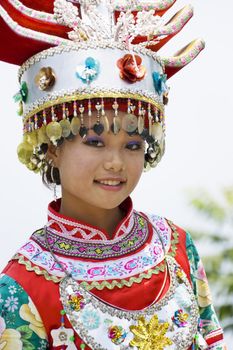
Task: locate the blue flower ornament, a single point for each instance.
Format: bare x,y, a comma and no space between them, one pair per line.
160,82
88,72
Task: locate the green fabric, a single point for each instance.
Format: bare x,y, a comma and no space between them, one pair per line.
208,318
19,325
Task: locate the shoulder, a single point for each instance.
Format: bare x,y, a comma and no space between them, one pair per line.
20,324
168,229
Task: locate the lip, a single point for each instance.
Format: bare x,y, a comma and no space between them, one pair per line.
114,188
119,179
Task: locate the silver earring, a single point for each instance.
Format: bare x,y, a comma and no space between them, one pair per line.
54,182
55,192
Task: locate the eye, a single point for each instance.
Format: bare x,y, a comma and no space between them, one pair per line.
134,145
94,142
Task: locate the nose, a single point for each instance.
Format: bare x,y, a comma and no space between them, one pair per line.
114,161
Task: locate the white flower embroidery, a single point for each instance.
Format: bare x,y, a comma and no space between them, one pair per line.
1,300
12,289
11,304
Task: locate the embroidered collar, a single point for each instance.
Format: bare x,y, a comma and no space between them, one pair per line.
69,227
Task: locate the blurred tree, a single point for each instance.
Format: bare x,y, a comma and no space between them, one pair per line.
218,239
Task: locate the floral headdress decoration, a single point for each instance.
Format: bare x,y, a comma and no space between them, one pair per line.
82,56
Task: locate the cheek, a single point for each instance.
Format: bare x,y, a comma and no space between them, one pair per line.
75,166
136,166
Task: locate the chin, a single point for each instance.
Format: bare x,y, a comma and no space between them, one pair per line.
111,204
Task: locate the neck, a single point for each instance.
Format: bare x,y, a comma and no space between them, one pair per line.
105,219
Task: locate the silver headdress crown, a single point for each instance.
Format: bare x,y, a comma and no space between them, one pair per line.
102,54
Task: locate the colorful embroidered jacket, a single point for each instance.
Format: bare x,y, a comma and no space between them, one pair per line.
144,289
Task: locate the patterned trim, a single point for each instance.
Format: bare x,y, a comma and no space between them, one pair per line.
124,283
105,44
92,285
58,98
186,55
174,26
36,269
123,267
69,246
214,333
149,5
28,33
100,285
86,231
43,16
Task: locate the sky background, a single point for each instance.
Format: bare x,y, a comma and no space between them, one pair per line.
199,141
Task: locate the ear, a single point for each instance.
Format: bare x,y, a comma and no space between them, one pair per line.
53,155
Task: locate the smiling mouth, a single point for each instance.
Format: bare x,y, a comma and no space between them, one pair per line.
110,182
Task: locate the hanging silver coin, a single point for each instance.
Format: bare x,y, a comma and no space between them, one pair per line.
75,125
157,131
129,122
116,125
104,120
140,124
66,128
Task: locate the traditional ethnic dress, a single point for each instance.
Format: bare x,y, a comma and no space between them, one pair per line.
143,289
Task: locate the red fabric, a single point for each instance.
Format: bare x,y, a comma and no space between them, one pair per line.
54,207
45,294
14,48
39,5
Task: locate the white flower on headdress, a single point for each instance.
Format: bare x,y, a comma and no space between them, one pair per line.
125,27
147,23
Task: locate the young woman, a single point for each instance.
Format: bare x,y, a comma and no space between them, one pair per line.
99,274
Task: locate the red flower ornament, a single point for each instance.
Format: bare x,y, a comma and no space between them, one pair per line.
131,68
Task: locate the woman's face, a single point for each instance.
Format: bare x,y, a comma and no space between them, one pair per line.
100,171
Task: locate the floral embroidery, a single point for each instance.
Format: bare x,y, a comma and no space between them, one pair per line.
12,290
29,313
90,319
9,338
68,246
97,274
11,304
1,300
210,324
18,332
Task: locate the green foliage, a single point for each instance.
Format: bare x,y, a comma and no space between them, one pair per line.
218,214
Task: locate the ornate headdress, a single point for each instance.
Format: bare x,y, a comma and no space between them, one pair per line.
86,56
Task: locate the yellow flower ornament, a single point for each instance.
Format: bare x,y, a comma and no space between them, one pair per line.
29,313
150,335
9,338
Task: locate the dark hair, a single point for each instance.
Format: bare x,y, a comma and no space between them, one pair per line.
50,176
